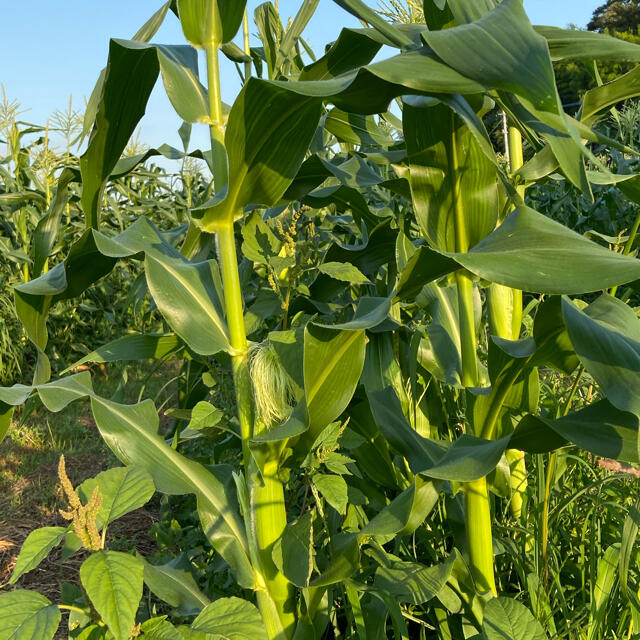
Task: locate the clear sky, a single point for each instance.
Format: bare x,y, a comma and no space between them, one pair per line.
51,50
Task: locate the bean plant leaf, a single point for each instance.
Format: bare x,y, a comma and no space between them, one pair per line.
333,489
293,553
231,618
345,272
507,618
113,582
27,615
35,549
123,489
160,629
204,415
412,582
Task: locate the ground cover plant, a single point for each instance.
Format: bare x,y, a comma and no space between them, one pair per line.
399,329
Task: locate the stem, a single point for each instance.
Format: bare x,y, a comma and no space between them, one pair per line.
70,607
267,515
247,44
547,488
467,330
629,245
479,538
216,127
237,335
269,522
516,155
193,242
465,285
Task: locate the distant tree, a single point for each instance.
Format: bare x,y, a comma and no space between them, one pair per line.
616,15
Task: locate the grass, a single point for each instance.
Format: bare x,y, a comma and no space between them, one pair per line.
29,493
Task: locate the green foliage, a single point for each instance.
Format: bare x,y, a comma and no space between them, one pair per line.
616,15
360,470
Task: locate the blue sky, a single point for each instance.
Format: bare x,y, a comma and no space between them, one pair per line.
52,50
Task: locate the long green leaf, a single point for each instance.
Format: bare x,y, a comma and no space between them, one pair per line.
130,77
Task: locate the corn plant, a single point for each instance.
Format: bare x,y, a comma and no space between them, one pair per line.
393,387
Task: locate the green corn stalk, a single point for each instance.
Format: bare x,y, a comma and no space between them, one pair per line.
202,27
505,319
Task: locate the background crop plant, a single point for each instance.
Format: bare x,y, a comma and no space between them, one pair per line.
395,373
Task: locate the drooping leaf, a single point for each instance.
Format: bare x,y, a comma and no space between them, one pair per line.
482,50
359,9
599,428
369,313
179,69
453,184
575,43
606,338
406,512
174,584
531,252
600,98
187,297
210,21
343,562
135,346
130,76
131,432
412,582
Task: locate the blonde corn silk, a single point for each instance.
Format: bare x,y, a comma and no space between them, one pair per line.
273,388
